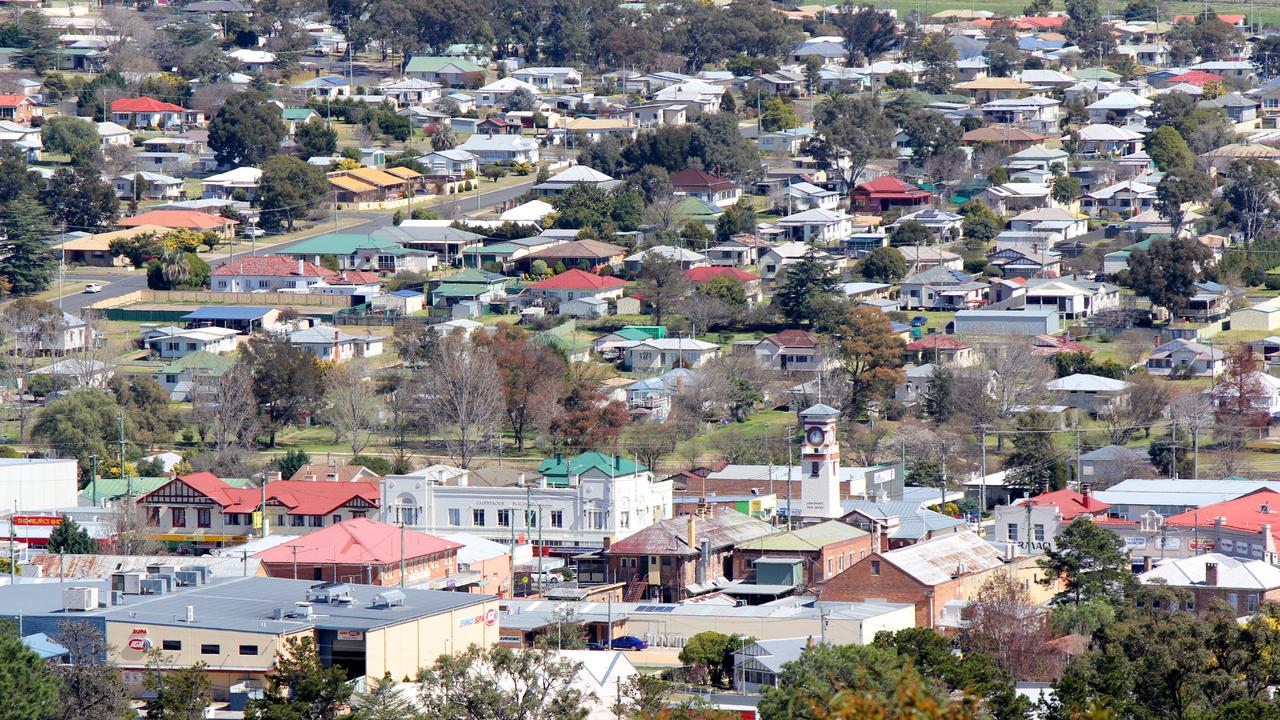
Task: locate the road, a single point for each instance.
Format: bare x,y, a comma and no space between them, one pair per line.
117,285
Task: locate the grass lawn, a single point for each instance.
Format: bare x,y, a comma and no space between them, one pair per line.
69,287
771,422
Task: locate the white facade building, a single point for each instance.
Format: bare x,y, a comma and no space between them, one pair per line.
29,485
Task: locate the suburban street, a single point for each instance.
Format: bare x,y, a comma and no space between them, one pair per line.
117,285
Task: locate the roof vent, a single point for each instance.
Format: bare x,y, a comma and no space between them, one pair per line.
388,598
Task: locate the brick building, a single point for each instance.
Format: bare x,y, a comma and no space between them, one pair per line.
938,576
1214,577
677,557
363,551
827,549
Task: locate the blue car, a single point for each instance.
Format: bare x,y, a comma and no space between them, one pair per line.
629,642
919,320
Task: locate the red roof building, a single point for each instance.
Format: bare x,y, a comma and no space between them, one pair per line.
366,551
1250,513
273,266
1035,22
143,104
941,349
1071,504
1233,20
1049,345
887,192
182,220
1199,78
711,189
703,274
574,284
17,108
148,112
202,509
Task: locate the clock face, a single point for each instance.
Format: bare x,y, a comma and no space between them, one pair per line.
816,436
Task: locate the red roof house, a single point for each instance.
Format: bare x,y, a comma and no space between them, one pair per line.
269,272
1035,22
182,220
711,189
143,112
17,108
887,192
366,550
1071,504
574,284
703,274
941,348
1199,78
1250,513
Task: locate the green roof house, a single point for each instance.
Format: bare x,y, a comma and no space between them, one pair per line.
293,117
449,71
182,376
470,284
363,252
592,465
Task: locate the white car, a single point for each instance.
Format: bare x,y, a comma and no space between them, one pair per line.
252,232
93,288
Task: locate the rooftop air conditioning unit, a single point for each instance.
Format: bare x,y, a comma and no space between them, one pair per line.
388,598
80,598
129,583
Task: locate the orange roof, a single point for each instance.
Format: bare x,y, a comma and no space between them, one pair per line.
175,219
274,265
144,104
350,184
937,342
357,542
13,100
576,279
703,274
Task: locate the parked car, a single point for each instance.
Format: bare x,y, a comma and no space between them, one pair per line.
93,288
629,642
595,646
252,232
919,321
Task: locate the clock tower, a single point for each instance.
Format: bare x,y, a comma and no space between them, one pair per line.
820,494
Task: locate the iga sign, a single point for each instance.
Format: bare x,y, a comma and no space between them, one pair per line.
489,617
138,640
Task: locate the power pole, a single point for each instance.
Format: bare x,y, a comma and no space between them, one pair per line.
982,481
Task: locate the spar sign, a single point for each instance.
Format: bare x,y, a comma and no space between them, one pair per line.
488,617
138,640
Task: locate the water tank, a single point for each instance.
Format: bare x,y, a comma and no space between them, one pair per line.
80,598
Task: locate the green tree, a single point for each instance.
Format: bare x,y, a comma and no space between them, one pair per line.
940,401
1176,190
884,265
69,538
1250,192
1164,452
493,172
981,225
1167,271
1065,189
1090,561
92,688
38,42
870,354
301,687
727,103
868,33
1034,463
823,670
292,461
287,381
939,57
498,683
30,689
24,243
725,289
67,134
383,701
289,188
712,652
803,285
85,422
378,464
182,693
315,138
80,199
1168,150
852,129
444,138
1141,11
664,284
777,113
738,218
247,129
911,233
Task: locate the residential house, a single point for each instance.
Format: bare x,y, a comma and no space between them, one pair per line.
471,285
575,284
649,399
750,282
581,254
1123,199
656,354
330,87
944,349
1055,224
362,252
1015,263
450,164
556,79
496,92
807,196
448,71
792,351
172,343
922,289
410,91
203,511
498,126
1036,113
685,258
1240,109
1265,391
676,558
933,575
333,345
1096,395
776,258
506,149
1037,157
266,273
887,193
110,134
786,142
67,334
226,185
1072,298
945,226
1215,578
743,250
1186,358
1104,140
294,117
576,175
18,109
147,112
154,186
1014,138
1116,108
1110,464
817,226
923,257
984,90
1210,302
1016,197
193,377
224,228
703,185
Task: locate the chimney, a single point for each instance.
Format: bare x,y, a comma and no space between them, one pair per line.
301,266
1211,574
1146,563
693,532
608,543
309,477
274,476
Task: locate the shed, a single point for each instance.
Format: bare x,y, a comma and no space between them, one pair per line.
1005,322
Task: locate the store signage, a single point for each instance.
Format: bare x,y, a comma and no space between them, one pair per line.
138,640
37,520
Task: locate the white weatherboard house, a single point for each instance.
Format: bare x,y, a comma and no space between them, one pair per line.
1092,393
490,149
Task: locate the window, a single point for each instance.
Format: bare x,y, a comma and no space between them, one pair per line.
356,514
297,521
875,567
204,518
1039,530
262,284
813,469
595,519
315,520
504,518
179,517
1253,602
170,644
210,649
248,649
153,517
280,520
557,518
828,567
337,518
455,517
231,518
1013,532
191,346
625,521
1233,600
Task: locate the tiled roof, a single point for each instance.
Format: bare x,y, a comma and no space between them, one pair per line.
703,274
1070,503
274,265
13,100
726,528
174,219
937,342
887,185
357,542
794,337
580,249
576,279
693,178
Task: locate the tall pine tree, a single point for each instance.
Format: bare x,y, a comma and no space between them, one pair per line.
803,284
71,539
28,261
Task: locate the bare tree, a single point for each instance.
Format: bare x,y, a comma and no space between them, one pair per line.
739,384
1193,412
864,442
1133,344
224,407
351,406
1018,377
704,312
663,215
32,325
651,441
401,419
461,396
92,689
1007,626
130,536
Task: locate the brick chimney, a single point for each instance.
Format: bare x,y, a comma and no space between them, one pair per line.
1211,574
693,532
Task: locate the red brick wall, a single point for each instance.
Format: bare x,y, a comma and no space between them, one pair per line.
858,583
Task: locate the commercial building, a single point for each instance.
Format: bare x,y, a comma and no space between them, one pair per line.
1212,578
29,485
237,626
365,551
